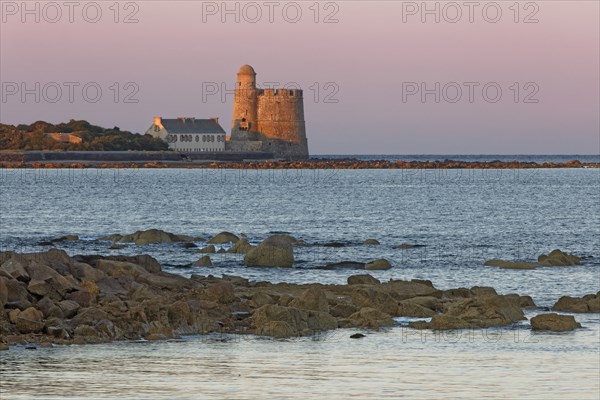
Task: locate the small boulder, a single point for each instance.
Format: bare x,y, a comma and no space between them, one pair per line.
204,261
363,279
16,269
483,291
380,264
210,249
554,322
29,321
275,251
371,242
404,246
502,264
221,293
313,298
589,303
371,318
66,238
224,237
241,247
558,258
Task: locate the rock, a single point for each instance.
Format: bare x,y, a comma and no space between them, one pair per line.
241,247
86,331
116,246
221,293
111,238
145,261
189,245
179,314
203,262
558,258
66,238
44,305
363,279
54,280
3,346
69,308
509,264
150,236
81,297
343,265
278,321
343,310
16,292
523,301
406,308
276,329
3,293
83,271
357,336
371,242
260,299
483,291
15,269
486,312
405,246
587,304
554,322
380,264
313,298
371,318
121,268
275,251
333,244
377,297
29,321
430,302
89,315
224,237
210,249
442,322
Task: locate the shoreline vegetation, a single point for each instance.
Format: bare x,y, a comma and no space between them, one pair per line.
52,298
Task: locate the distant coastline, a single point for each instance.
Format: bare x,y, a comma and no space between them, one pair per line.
241,160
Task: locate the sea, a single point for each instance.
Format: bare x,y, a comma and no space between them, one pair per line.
457,219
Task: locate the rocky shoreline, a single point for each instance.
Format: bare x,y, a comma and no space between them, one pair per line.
17,160
52,298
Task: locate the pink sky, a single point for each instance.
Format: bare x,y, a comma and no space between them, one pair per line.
369,55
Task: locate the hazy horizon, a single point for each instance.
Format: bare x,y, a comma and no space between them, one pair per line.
357,73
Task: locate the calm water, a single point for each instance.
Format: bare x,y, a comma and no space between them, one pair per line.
537,158
461,217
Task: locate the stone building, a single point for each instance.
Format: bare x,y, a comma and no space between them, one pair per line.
267,120
190,135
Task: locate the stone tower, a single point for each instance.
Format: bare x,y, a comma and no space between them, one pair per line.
245,106
269,120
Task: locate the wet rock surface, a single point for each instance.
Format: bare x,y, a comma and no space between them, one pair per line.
589,303
50,297
556,258
554,322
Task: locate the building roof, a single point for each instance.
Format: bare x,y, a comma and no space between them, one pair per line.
191,125
246,70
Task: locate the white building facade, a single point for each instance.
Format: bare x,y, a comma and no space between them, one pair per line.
189,135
